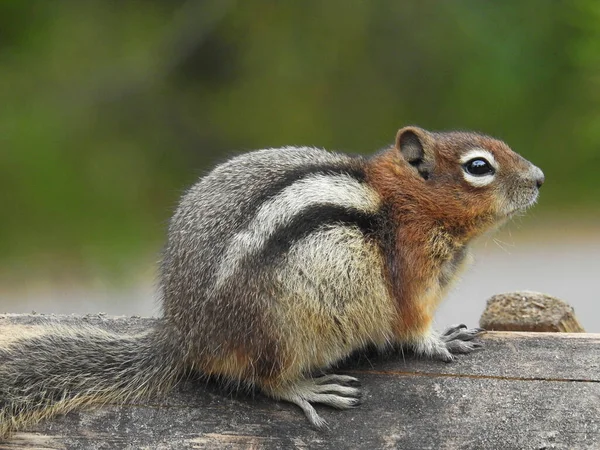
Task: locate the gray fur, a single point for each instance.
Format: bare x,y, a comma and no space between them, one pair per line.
214,223
270,272
211,303
63,367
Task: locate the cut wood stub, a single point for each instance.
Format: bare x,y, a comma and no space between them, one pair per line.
529,311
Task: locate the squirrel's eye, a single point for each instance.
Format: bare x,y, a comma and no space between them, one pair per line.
478,167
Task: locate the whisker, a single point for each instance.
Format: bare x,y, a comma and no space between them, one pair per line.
503,245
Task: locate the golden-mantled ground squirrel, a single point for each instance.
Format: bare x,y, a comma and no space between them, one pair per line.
280,263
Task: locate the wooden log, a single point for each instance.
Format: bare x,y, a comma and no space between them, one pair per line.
529,311
523,391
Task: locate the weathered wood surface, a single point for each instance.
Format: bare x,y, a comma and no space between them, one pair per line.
524,391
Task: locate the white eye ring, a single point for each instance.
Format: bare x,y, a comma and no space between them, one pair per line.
479,180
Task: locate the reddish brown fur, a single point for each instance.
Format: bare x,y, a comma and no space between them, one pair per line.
433,218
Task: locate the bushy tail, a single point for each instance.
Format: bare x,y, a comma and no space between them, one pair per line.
65,367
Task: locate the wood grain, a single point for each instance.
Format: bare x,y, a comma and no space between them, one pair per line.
523,391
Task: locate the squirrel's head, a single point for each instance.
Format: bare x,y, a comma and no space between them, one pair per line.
470,173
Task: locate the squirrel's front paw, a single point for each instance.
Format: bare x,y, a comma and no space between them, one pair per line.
459,338
456,339
433,347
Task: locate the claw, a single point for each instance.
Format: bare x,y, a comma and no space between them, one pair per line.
450,359
341,379
457,338
453,328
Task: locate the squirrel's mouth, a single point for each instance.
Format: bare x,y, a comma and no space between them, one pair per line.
517,208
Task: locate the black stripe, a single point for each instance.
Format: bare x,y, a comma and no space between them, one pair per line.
353,168
308,221
387,236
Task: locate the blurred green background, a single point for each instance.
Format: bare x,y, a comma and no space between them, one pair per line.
110,109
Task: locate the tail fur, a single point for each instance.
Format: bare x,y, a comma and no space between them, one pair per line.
66,367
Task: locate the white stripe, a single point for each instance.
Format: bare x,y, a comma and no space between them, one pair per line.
335,190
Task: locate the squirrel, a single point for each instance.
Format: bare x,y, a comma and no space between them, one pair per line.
280,263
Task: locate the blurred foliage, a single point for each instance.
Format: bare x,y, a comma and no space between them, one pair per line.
111,108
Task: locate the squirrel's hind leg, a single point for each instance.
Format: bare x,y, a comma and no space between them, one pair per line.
330,390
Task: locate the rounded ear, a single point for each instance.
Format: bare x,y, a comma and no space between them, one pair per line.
416,145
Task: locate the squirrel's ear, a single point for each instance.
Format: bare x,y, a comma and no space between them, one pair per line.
416,147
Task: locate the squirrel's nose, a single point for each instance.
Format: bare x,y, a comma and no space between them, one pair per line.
539,177
540,181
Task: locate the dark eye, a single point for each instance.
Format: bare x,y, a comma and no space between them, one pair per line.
478,167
